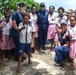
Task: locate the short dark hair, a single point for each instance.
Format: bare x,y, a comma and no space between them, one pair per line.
61,8
52,6
7,14
73,17
33,5
26,14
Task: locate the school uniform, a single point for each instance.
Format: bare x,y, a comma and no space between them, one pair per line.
52,26
62,52
6,42
63,19
59,21
72,32
33,19
25,38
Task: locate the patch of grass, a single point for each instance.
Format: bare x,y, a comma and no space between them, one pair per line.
1,14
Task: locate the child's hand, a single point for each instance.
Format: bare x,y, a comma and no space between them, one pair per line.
37,28
3,25
23,27
32,45
70,36
8,38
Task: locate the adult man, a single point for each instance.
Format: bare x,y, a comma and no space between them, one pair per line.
42,25
16,19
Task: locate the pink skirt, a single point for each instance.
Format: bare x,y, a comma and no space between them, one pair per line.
72,49
36,33
6,43
51,31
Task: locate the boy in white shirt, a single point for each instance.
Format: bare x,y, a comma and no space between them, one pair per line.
26,31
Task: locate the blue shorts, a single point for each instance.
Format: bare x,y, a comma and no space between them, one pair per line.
24,48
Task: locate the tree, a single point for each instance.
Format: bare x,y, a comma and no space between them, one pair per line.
14,3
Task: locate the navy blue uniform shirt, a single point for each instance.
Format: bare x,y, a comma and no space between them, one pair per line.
42,19
63,41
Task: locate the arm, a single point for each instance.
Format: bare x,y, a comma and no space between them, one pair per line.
32,44
14,19
14,24
59,43
19,30
67,43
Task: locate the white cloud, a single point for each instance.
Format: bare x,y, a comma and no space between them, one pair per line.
67,4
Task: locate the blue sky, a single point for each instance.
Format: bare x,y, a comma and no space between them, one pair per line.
67,4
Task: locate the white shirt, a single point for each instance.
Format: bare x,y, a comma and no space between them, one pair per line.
68,21
33,18
26,38
52,18
63,19
6,29
72,32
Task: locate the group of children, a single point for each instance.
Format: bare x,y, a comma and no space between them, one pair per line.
28,31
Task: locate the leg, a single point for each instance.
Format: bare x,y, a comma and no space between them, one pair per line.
44,36
35,46
0,55
59,54
40,38
52,43
9,54
16,41
19,62
29,59
71,66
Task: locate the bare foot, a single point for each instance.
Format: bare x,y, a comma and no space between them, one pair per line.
30,62
36,52
26,64
48,50
6,59
70,67
17,71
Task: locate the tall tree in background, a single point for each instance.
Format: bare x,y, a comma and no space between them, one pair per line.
13,4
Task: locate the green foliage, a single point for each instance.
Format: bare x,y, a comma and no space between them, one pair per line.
14,3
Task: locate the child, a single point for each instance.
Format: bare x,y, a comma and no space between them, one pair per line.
6,43
72,34
33,19
26,31
52,26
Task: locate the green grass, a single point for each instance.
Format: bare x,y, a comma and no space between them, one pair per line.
1,14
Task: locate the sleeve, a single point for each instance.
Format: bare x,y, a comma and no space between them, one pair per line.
33,29
67,38
49,18
20,26
14,16
67,33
